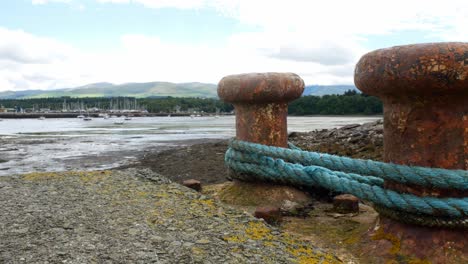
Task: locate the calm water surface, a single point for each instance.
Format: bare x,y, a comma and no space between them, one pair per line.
73,144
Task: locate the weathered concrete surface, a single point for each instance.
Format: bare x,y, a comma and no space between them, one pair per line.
424,89
342,234
132,216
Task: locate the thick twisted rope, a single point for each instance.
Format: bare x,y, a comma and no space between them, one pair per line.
423,176
316,169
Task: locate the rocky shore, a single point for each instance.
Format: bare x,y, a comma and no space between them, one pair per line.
357,141
137,215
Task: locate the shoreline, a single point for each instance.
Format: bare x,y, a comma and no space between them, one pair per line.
73,144
204,160
110,160
94,115
141,210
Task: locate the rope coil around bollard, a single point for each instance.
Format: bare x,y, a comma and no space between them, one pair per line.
362,178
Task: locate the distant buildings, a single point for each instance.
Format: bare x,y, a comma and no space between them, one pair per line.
7,110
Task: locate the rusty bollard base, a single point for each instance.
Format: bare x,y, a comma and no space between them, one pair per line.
260,101
424,88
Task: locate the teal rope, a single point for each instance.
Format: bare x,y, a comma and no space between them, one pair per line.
422,176
308,169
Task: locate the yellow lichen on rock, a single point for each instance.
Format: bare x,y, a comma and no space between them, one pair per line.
40,176
85,176
259,194
258,231
93,176
396,244
206,204
235,239
300,252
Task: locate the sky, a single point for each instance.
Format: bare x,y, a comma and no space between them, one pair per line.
50,44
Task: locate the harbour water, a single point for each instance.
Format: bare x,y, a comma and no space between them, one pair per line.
28,145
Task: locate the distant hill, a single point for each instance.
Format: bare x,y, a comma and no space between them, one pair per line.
152,89
320,90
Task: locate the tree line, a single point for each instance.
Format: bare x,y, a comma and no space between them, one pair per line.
350,103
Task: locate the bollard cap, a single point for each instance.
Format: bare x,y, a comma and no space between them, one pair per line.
260,87
420,69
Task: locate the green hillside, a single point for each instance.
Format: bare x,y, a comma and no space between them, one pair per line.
139,90
153,89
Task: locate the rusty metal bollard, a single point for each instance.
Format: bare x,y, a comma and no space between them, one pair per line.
424,89
261,104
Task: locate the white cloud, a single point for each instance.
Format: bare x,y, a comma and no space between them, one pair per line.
321,41
332,16
327,33
326,50
181,4
42,2
32,62
141,58
21,47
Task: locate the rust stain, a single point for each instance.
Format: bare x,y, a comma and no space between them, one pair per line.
433,68
425,95
424,88
260,88
465,138
261,106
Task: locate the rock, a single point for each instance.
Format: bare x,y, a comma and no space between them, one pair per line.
271,215
350,126
329,133
290,208
379,128
261,194
203,241
346,203
176,243
293,134
356,141
193,184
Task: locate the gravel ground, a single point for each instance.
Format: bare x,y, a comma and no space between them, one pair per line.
132,216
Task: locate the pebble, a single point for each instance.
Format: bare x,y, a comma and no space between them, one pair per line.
346,203
193,184
202,241
270,214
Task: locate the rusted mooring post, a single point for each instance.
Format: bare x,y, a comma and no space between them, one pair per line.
424,89
261,104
